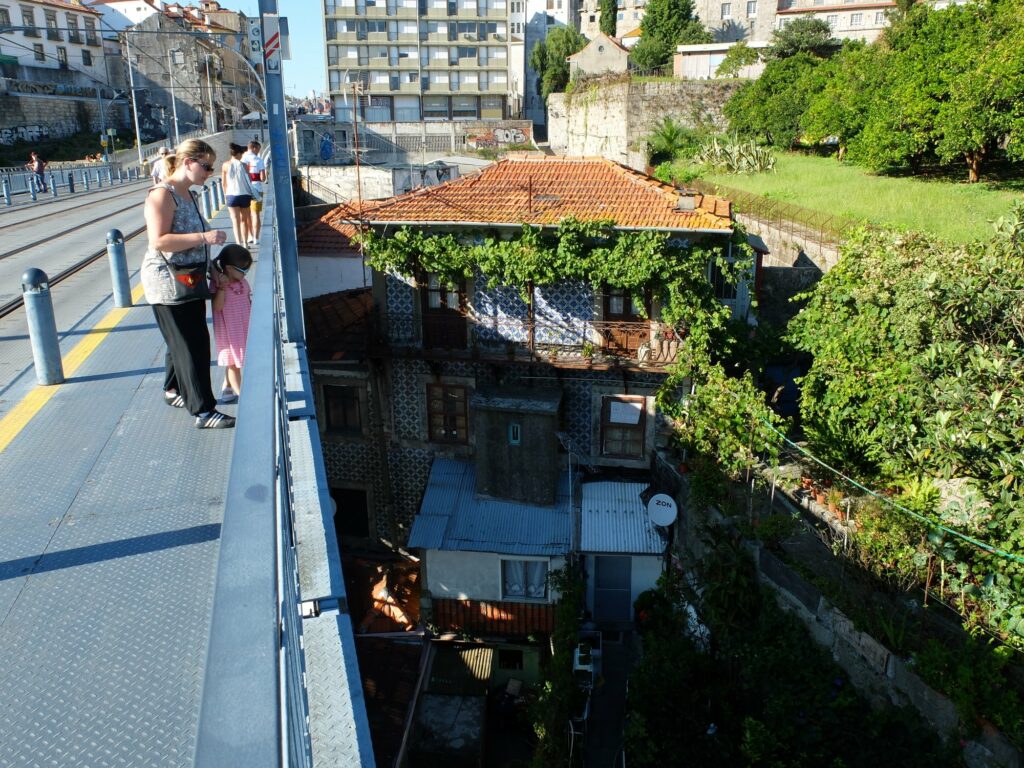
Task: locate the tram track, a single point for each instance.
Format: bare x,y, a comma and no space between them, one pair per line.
49,238
14,304
64,211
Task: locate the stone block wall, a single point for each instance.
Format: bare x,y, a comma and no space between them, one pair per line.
611,119
37,117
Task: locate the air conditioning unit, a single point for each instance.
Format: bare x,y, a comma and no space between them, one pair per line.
469,36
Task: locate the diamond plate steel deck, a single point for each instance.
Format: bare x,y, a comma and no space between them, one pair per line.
108,545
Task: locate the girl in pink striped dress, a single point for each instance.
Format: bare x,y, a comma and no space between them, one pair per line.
232,302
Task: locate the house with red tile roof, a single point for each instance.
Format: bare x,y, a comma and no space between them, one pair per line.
471,421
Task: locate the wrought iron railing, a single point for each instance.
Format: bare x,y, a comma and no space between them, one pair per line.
570,340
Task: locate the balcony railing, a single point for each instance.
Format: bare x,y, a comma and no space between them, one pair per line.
573,341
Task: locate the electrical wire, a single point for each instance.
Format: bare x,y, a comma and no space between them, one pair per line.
886,500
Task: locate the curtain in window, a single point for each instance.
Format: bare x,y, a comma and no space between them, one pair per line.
536,578
515,578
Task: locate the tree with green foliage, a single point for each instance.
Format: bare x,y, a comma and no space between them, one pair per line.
847,87
804,34
952,87
738,56
771,108
666,24
918,378
609,16
548,58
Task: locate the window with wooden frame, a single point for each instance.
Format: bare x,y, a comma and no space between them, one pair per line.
623,426
343,411
447,416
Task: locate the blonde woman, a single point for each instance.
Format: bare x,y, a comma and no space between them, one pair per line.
179,252
237,192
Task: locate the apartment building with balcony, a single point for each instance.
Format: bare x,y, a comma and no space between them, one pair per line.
40,35
756,20
417,60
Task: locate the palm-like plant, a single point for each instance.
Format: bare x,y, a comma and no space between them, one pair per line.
668,141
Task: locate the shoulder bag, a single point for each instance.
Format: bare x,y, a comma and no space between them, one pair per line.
193,281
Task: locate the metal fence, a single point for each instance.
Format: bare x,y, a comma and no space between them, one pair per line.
268,662
807,224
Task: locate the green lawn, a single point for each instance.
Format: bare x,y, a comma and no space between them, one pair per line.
952,210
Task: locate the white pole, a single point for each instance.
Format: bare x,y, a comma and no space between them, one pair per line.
135,104
174,102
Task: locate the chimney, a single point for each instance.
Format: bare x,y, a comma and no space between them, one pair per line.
687,202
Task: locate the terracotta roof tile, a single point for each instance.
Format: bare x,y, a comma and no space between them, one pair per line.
337,324
538,190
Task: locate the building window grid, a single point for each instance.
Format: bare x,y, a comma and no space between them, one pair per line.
28,20
856,19
751,8
726,11
52,33
37,49
447,415
73,34
342,409
623,427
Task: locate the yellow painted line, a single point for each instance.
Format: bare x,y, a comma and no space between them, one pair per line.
20,415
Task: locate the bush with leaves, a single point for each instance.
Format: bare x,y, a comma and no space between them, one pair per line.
738,56
670,141
735,156
804,34
609,15
918,372
771,108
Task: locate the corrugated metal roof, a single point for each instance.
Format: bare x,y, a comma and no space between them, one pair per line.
452,517
614,519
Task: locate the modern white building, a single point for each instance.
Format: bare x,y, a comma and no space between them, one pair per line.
628,15
121,14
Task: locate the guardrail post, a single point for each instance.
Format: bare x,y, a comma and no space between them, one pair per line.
99,179
218,192
110,175
119,269
53,186
71,182
207,211
85,180
42,328
120,178
7,192
32,187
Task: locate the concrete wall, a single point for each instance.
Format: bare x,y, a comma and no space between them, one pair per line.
611,120
327,274
472,575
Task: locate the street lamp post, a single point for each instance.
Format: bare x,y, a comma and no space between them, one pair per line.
135,103
174,101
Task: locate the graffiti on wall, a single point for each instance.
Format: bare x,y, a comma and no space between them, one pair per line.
32,133
498,136
32,88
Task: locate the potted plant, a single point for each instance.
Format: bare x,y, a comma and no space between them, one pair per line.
834,497
819,495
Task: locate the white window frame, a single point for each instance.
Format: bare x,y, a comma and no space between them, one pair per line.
546,598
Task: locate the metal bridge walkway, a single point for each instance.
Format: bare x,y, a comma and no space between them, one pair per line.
114,548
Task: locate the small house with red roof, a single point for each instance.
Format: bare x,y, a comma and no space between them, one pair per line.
499,415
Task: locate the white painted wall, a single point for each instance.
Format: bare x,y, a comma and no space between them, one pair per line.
472,575
329,274
643,575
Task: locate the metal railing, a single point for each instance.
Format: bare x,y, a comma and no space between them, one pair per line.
260,694
573,340
816,226
317,192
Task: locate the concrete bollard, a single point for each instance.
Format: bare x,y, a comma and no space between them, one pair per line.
119,269
207,211
220,192
32,188
7,192
53,186
42,327
71,183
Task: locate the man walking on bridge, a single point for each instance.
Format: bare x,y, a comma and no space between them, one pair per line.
37,165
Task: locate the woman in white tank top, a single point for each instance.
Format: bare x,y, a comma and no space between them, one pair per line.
238,193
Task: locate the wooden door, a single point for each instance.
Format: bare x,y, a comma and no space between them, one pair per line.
444,314
625,327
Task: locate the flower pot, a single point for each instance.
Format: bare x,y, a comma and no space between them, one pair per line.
819,496
807,483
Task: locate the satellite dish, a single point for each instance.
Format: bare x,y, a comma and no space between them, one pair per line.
662,509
